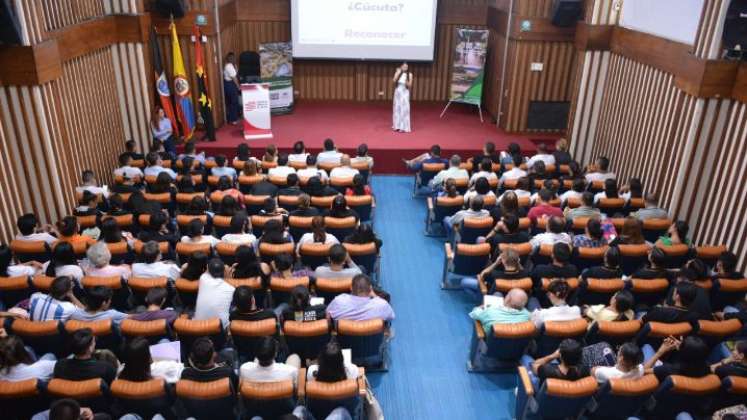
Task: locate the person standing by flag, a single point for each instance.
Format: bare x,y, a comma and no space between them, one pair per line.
184,109
203,101
231,90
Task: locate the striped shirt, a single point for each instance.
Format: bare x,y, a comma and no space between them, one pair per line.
45,308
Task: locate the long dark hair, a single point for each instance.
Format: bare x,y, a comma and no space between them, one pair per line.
571,354
110,232
359,187
317,227
339,206
62,254
623,302
13,353
196,266
610,188
273,232
247,263
6,257
136,360
331,364
299,298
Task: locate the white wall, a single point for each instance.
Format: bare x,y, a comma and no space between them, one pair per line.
672,19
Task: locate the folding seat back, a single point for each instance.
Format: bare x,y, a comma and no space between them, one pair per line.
85,222
727,292
314,254
469,259
715,332
268,251
504,285
124,221
330,288
247,181
599,291
79,248
183,219
21,399
362,205
679,393
633,257
341,183
91,393
186,198
613,332
472,228
221,225
281,287
677,255
328,166
654,333
585,257
298,226
462,185
523,249
297,165
185,250
489,201
578,225
187,291
366,256
554,399
207,400
654,228
140,286
121,253
543,255
709,254
322,203
340,227
649,291
163,198
524,201
323,397
504,344
611,206
121,296
573,203
427,172
553,332
365,339
248,334
42,336
734,391
14,290
226,252
447,206
268,400
363,169
306,339
213,181
154,331
107,336
146,399
622,398
42,283
254,203
288,202
27,251
258,223
573,282
188,330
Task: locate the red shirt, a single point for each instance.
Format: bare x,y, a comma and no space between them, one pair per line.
543,210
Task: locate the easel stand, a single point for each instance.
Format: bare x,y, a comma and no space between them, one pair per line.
479,108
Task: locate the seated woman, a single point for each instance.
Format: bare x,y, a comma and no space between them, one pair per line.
67,230
274,233
16,364
627,366
162,185
610,268
557,293
243,154
282,267
248,264
631,234
676,234
318,235
99,258
610,191
304,208
620,308
8,269
359,187
300,309
480,189
363,234
239,231
271,153
194,234
689,359
245,306
63,263
229,206
508,204
139,366
299,154
449,190
633,189
735,364
112,234
594,236
331,366
340,209
195,266
116,206
569,368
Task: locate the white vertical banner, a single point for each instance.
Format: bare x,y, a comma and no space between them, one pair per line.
255,98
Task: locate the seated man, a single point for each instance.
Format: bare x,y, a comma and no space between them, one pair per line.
433,156
453,171
586,209
475,211
506,266
559,268
130,147
726,266
58,305
592,238
683,296
340,265
652,209
542,155
214,295
554,234
488,152
155,166
735,364
222,169
69,409
189,152
152,266
83,365
511,311
265,369
628,366
576,191
90,184
329,155
486,171
154,301
125,170
158,230
98,300
514,173
202,365
599,171
360,305
27,226
282,170
656,268
291,186
343,171
543,206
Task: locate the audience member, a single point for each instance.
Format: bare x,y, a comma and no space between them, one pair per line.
575,193
27,226
557,293
100,257
676,234
689,359
155,299
282,170
98,300
586,209
554,234
733,365
222,169
542,156
83,365
361,156
652,209
511,310
599,171
329,155
331,366
627,366
515,172
683,296
311,170
593,238
620,308
300,309
344,170
340,264
610,268
291,186
152,266
453,171
63,263
299,154
16,364
561,155
507,266
485,171
265,369
432,156
570,368
360,305
203,365
544,207
58,305
359,187
610,191
214,295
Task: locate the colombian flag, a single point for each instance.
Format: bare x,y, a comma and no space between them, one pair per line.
184,110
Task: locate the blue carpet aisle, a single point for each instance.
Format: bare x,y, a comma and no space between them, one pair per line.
428,378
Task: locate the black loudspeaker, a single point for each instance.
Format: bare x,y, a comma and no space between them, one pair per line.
249,67
735,25
566,13
168,8
10,29
548,115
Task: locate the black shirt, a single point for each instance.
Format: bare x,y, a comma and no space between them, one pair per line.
257,315
686,369
80,370
562,158
669,315
497,213
552,370
601,272
500,273
293,191
341,214
701,306
477,160
311,313
551,271
309,212
324,191
519,237
220,371
264,188
149,235
651,273
732,369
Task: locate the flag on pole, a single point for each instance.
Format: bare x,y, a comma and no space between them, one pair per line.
204,102
184,110
162,84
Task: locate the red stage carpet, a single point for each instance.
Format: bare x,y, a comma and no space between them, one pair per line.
352,123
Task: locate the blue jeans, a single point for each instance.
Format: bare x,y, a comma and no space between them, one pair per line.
472,288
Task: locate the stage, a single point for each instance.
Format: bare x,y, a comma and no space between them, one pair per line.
352,123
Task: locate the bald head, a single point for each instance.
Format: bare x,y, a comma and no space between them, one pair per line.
516,299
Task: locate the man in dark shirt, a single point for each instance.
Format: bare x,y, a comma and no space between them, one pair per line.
684,295
735,364
434,156
246,306
130,150
506,267
158,230
83,366
610,268
304,208
726,266
292,187
202,365
701,304
506,231
155,299
488,152
559,268
264,187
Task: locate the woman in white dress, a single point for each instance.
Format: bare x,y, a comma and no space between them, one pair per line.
401,109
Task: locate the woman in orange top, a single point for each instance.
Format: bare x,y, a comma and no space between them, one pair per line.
67,230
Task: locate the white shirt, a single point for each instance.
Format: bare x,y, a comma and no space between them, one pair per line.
331,156
555,313
204,239
281,171
459,216
343,172
93,190
41,236
42,370
482,174
72,271
214,298
169,370
312,172
452,172
229,72
548,159
155,170
598,176
21,270
549,238
604,373
472,193
569,194
308,238
519,194
156,269
276,372
513,173
239,239
351,371
367,159
224,171
298,157
43,307
129,172
600,195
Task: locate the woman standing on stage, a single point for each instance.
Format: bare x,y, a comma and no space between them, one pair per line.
231,90
401,110
160,127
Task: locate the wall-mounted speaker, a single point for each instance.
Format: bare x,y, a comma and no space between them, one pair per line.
566,13
168,8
